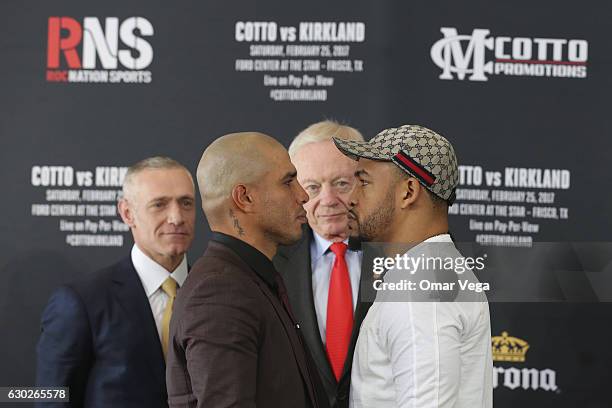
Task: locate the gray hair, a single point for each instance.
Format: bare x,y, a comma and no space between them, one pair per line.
321,131
155,162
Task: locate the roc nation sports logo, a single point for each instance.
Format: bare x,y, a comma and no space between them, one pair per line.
479,55
89,52
510,349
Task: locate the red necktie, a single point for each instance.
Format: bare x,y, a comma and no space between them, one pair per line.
339,311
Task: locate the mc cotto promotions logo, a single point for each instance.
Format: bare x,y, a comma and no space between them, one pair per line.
459,56
86,52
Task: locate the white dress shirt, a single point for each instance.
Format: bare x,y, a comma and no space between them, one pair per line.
152,275
423,354
321,264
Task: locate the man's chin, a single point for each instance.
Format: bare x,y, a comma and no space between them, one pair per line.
364,235
333,230
290,239
176,250
365,238
354,233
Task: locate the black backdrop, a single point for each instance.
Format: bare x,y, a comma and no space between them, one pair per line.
551,118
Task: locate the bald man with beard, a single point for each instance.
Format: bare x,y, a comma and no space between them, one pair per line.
234,342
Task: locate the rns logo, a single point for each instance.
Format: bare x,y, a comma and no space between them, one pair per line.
80,47
466,55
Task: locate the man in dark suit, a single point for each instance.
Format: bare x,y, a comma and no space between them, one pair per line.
234,342
105,335
323,272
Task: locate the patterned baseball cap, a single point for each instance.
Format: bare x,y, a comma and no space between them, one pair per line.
420,152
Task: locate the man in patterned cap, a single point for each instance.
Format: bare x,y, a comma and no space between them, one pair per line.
414,350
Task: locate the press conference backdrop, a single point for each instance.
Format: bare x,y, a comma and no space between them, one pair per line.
521,89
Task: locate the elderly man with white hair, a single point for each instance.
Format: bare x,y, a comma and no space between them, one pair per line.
323,271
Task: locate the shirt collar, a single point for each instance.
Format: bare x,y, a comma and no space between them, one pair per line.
152,274
440,238
320,246
250,255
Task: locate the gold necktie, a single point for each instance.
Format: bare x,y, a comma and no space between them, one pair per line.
169,286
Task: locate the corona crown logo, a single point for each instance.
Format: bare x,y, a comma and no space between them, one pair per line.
507,348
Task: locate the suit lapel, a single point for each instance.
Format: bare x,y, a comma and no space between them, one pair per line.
361,310
291,331
299,288
296,266
131,296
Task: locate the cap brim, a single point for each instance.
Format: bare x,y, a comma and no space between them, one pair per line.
356,149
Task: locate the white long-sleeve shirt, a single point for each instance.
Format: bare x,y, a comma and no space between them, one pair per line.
424,354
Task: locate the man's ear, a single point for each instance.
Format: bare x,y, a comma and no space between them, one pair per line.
243,198
411,190
126,213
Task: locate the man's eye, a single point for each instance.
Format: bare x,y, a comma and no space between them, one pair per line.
312,188
363,183
343,186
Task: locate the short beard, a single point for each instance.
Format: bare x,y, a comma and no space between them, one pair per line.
282,237
380,220
274,225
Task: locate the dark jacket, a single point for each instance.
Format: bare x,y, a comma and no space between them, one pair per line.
99,338
293,263
233,344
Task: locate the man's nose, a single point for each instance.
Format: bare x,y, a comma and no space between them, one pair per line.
328,196
354,197
301,195
175,214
